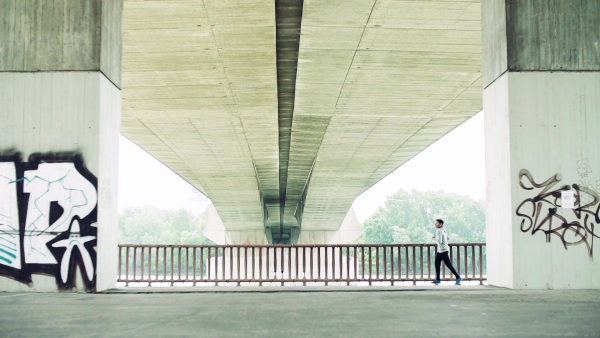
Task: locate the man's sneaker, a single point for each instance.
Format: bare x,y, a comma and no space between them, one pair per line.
436,282
458,281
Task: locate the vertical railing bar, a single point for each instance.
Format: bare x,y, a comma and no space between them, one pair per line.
219,252
223,261
208,263
304,265
392,277
473,259
156,263
341,264
332,264
289,250
164,249
384,262
134,261
480,264
362,261
297,262
429,261
239,274
246,262
318,262
348,265
250,263
177,266
187,263
311,263
194,272
127,266
406,262
400,262
142,263
466,260
421,259
120,266
377,262
355,262
283,262
267,263
172,264
414,265
149,266
260,265
326,266
370,265
228,276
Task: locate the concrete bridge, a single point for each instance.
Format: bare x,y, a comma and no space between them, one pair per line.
283,112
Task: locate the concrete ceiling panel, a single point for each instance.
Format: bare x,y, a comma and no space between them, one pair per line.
377,81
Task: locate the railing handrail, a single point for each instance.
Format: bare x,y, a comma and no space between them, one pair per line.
290,245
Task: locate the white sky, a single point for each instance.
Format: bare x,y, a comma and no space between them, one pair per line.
455,164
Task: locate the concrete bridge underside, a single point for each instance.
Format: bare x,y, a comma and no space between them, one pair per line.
283,112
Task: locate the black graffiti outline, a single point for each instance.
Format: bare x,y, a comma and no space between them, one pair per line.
24,274
582,230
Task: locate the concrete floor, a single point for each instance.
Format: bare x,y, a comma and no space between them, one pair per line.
414,311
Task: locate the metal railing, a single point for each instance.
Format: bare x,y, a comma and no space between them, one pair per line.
258,264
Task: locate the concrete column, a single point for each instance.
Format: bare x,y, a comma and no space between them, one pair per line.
60,107
542,123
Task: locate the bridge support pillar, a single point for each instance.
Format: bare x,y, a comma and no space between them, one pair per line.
60,105
542,117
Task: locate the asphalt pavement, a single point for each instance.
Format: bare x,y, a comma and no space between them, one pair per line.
407,311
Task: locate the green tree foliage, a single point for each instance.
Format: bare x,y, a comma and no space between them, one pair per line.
152,225
408,217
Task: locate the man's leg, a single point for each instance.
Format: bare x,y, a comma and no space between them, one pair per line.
438,263
446,259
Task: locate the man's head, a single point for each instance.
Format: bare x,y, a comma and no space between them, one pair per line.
439,223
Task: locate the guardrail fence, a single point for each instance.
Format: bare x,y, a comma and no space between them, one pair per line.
298,264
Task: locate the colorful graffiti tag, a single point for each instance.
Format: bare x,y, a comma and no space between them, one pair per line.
48,211
541,212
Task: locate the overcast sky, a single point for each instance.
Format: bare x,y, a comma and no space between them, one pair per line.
455,164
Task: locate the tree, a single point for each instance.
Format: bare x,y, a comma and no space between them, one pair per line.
408,217
152,225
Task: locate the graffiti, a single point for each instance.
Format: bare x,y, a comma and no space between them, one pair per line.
541,213
584,171
583,168
48,210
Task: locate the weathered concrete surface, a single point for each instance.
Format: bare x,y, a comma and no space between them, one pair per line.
449,311
377,82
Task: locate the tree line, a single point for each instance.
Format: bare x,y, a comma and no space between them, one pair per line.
406,218
152,225
409,217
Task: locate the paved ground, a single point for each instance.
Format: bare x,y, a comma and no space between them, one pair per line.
413,311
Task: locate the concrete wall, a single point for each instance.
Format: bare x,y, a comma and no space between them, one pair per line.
553,35
60,139
542,104
499,232
69,35
60,65
541,139
554,124
534,35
